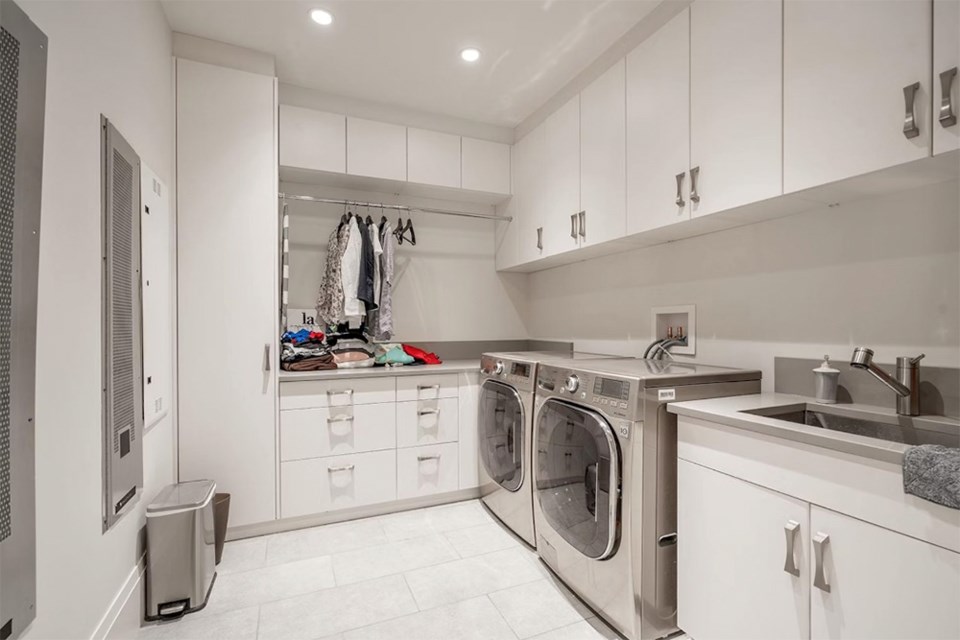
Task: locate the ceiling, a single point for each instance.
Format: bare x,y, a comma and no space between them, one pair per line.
406,52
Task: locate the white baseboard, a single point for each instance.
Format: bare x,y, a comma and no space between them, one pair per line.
122,619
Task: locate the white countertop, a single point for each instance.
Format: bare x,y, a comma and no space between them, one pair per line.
448,366
729,411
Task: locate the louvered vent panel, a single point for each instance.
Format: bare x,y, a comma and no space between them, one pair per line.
9,80
122,299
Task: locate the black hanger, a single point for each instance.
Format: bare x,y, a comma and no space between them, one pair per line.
343,218
413,234
383,219
398,232
369,220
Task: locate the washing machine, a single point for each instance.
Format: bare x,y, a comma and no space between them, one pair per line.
504,425
605,481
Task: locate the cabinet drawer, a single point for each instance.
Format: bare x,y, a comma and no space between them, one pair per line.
427,387
316,394
315,433
337,482
427,422
423,471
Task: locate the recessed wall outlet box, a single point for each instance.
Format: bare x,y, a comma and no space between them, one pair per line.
679,320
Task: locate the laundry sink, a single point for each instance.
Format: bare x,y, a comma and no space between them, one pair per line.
902,429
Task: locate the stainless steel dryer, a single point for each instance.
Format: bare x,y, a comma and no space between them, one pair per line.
605,481
505,422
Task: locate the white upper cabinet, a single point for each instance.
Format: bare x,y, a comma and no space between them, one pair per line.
529,188
561,172
376,149
849,68
736,111
946,75
313,139
485,166
881,584
433,158
658,127
603,165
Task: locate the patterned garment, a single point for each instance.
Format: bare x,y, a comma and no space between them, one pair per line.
330,298
284,266
383,330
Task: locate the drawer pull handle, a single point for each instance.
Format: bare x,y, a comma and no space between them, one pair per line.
435,456
820,541
424,387
339,419
346,467
336,392
428,412
791,529
910,129
948,117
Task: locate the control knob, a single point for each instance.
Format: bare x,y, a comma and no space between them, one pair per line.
572,384
498,368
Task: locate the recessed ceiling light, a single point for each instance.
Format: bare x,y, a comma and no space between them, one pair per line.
470,54
321,17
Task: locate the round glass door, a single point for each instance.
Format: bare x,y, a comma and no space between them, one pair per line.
501,434
578,476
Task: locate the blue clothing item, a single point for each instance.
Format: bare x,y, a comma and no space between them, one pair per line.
395,356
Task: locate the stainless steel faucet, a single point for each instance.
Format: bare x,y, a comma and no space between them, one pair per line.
906,384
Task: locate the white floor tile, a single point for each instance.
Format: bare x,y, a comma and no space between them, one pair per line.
235,625
475,619
537,607
239,590
325,540
484,538
415,524
332,611
471,577
243,555
391,558
591,629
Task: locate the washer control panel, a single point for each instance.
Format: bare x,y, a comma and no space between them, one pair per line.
513,372
611,395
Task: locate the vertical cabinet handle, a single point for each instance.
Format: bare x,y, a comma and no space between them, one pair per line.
679,201
573,226
540,238
791,529
582,218
820,542
266,357
910,129
947,116
694,177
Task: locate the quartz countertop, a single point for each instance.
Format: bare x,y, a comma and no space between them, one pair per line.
449,366
729,411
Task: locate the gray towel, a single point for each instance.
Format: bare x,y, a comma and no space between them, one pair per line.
932,472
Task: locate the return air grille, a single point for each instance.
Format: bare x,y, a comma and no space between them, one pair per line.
121,285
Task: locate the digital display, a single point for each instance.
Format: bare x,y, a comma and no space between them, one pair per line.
611,388
522,370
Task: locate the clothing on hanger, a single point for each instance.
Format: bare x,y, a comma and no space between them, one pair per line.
383,328
350,271
365,283
330,299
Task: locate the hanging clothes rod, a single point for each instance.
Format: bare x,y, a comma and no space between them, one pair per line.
395,207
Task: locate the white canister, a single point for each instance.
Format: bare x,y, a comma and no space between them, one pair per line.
826,380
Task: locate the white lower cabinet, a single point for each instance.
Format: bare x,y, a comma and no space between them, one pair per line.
732,578
882,584
313,486
427,422
314,433
423,471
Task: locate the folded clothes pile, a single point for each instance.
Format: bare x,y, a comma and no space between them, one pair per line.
302,337
395,354
305,350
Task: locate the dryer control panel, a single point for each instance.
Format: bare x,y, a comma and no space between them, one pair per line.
519,374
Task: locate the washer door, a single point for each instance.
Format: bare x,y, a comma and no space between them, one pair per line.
578,477
501,425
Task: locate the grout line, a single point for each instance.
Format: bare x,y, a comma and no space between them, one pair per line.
259,611
403,576
500,613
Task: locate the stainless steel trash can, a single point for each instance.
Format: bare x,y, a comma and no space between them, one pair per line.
180,549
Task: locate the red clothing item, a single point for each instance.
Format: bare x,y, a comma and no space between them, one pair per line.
421,356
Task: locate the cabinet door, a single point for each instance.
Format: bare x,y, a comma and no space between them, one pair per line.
433,158
560,188
658,127
469,408
603,163
530,153
736,110
882,584
376,149
946,56
732,550
845,66
313,139
227,262
486,166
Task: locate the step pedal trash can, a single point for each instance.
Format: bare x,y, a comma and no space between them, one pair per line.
180,549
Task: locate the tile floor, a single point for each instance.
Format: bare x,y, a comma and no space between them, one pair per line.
448,572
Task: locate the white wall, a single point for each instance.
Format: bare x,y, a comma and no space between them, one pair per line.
112,58
881,273
446,287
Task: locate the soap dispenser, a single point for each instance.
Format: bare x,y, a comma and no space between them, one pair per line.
826,380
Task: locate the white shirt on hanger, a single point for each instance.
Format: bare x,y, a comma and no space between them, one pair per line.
350,272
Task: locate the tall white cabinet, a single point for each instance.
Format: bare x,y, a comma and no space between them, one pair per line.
227,236
946,75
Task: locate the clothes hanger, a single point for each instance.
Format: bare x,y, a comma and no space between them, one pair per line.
413,234
343,218
383,219
398,232
369,220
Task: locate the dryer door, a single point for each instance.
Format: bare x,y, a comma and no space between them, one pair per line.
578,476
501,424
